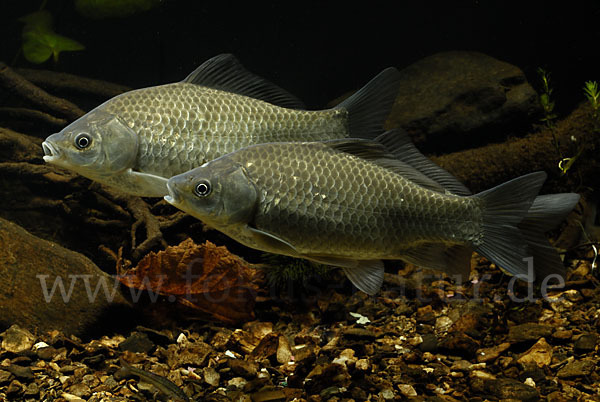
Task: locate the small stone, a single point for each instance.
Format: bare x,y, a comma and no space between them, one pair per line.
237,382
243,368
80,390
443,323
32,390
483,375
71,398
211,377
387,394
461,365
46,353
16,339
429,343
346,358
221,339
529,381
425,314
562,334
137,342
14,388
5,376
514,390
490,354
22,373
362,364
284,352
585,343
407,390
540,354
529,331
459,343
358,334
576,368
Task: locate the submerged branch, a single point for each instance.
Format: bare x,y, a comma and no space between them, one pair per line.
18,85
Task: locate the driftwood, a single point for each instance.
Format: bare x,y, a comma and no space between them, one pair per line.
484,167
68,204
18,85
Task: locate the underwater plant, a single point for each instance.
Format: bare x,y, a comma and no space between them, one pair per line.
545,98
281,271
40,42
592,93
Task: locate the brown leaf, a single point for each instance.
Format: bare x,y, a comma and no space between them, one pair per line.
202,277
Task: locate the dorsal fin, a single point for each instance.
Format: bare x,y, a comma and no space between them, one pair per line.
375,152
398,143
226,73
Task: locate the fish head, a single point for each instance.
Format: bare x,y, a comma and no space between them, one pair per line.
97,144
219,193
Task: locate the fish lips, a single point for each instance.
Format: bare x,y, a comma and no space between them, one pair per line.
51,153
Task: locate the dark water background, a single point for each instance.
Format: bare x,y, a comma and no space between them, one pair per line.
320,50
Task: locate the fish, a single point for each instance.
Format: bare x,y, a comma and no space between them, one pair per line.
137,140
163,385
353,203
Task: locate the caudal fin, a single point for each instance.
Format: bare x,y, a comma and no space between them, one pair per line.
546,212
504,208
369,107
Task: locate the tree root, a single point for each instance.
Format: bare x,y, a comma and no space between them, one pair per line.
72,83
18,85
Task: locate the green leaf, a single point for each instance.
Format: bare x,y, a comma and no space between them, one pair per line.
40,42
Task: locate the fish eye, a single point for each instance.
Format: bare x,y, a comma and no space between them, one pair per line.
83,140
202,188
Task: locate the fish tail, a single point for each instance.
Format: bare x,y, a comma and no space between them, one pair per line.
369,107
513,222
546,212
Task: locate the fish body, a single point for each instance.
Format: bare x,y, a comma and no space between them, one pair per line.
137,140
352,203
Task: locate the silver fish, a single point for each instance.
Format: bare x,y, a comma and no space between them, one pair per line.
352,203
137,140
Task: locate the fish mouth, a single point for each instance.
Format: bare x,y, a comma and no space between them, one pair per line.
50,152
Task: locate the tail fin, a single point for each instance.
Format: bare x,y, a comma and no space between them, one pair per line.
545,213
504,208
369,107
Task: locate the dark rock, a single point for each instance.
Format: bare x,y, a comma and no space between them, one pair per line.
429,344
515,390
576,368
243,368
458,343
14,388
46,353
22,373
32,390
358,334
31,296
80,390
137,342
326,375
585,343
461,92
529,332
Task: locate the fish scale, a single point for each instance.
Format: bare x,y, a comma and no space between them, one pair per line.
352,207
194,124
352,203
137,140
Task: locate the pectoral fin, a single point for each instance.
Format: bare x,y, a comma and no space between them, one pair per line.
271,243
147,185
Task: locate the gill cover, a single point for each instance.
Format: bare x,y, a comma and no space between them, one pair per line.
230,199
98,143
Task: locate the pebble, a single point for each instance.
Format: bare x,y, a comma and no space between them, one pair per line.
529,331
362,364
243,368
21,372
237,382
284,352
387,394
585,343
540,354
562,334
211,377
443,323
429,343
16,339
514,390
490,354
80,390
576,368
346,358
137,342
407,390
5,376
